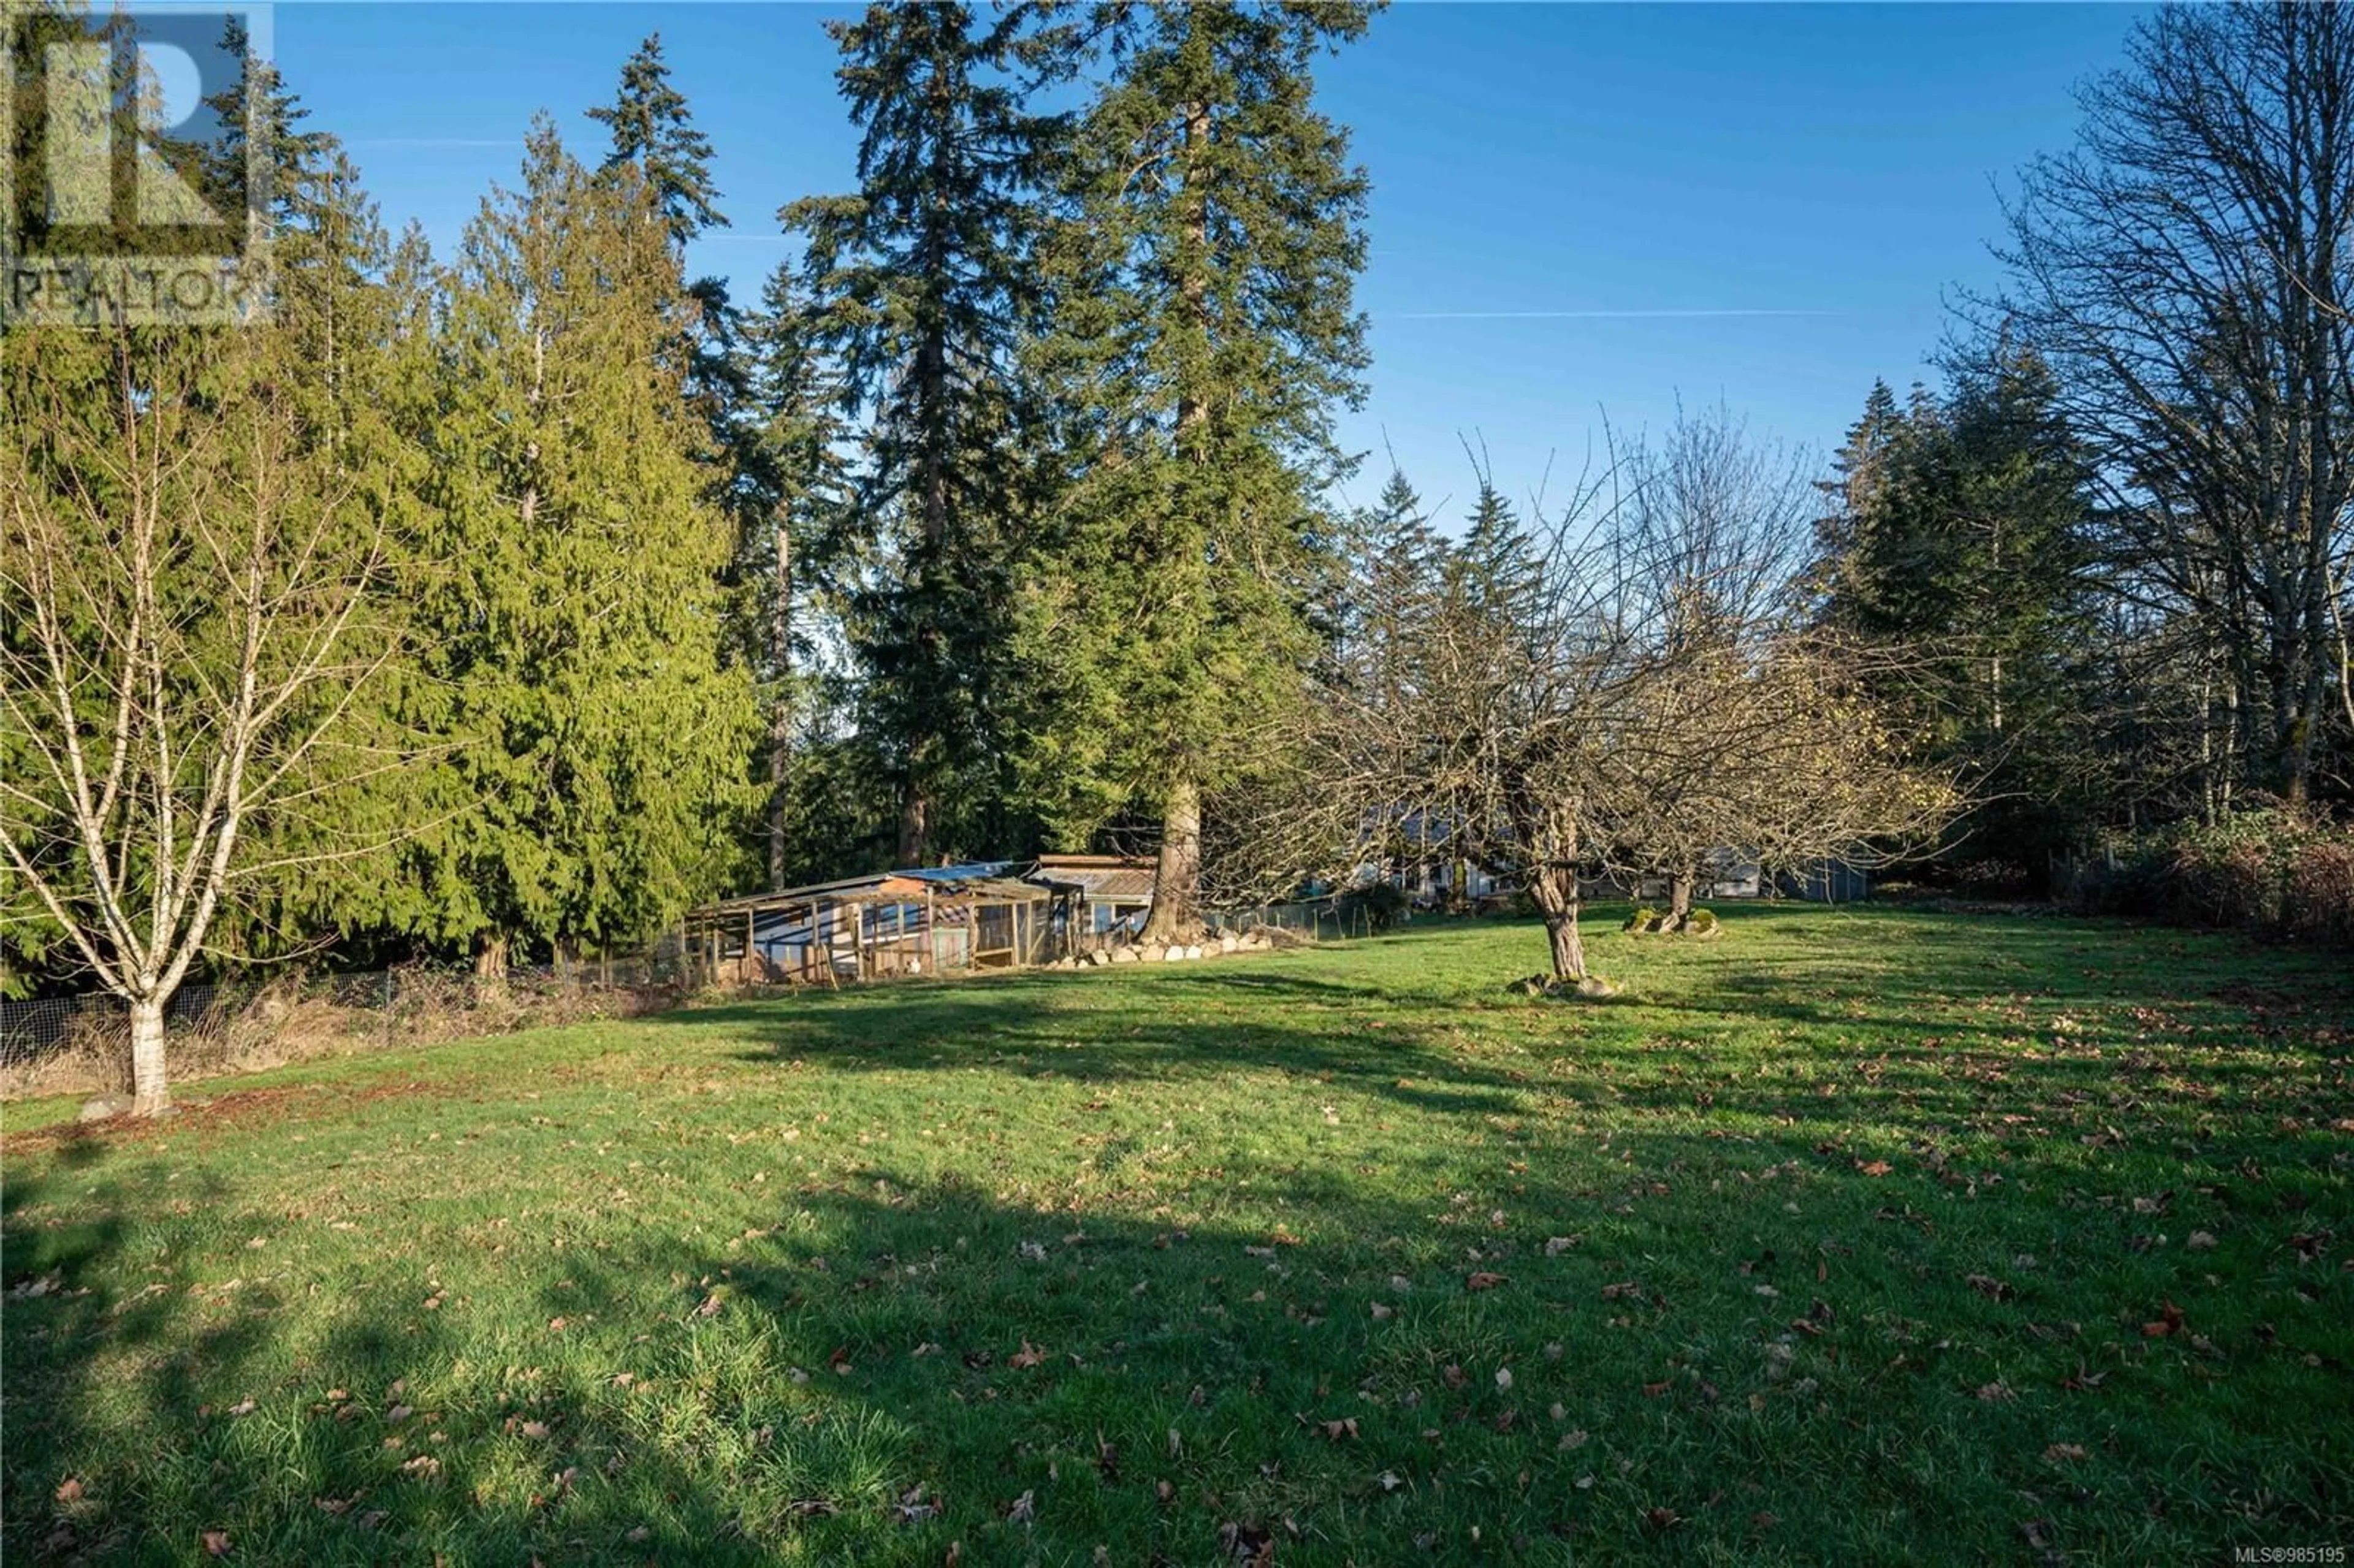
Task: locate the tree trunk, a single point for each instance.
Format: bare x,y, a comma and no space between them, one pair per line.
1176,915
1679,900
781,713
1554,890
150,1093
491,957
914,825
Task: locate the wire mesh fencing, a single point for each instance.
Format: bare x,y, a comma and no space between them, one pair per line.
391,1006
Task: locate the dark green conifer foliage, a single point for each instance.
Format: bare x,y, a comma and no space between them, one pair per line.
921,282
1960,532
601,744
1204,332
654,130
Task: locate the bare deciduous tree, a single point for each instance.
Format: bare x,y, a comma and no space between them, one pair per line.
2188,270
1625,691
184,603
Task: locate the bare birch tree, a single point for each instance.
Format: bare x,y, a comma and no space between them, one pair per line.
183,629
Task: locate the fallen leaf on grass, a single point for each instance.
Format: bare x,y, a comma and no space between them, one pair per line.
69,1490
216,1543
1028,1356
2169,1322
1662,1518
1996,1391
422,1465
2064,1452
1382,1312
1555,1246
1504,1378
1483,1280
1023,1509
1874,1167
1336,1430
2200,1241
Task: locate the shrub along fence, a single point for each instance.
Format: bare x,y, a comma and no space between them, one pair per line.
77,1043
2274,871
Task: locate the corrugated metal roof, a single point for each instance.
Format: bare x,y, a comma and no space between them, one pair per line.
973,871
976,873
1123,884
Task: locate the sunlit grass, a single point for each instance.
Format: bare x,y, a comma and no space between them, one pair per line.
1845,1237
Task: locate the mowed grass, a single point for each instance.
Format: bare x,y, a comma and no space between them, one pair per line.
1859,1236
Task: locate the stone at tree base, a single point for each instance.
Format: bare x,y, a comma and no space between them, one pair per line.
1228,943
1193,950
1123,955
1099,958
104,1107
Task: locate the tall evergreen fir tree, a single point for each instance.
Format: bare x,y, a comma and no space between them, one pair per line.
921,282
1960,534
1204,332
1489,570
1391,580
599,742
789,485
653,131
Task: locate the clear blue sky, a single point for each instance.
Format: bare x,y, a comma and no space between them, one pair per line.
1577,209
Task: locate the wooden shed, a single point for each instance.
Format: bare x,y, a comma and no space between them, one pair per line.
928,920
1106,897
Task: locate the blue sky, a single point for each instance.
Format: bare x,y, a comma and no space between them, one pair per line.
1578,209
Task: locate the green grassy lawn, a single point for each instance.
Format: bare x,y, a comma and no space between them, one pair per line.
1860,1237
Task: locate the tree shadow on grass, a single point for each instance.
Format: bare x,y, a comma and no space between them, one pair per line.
892,1364
882,1358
